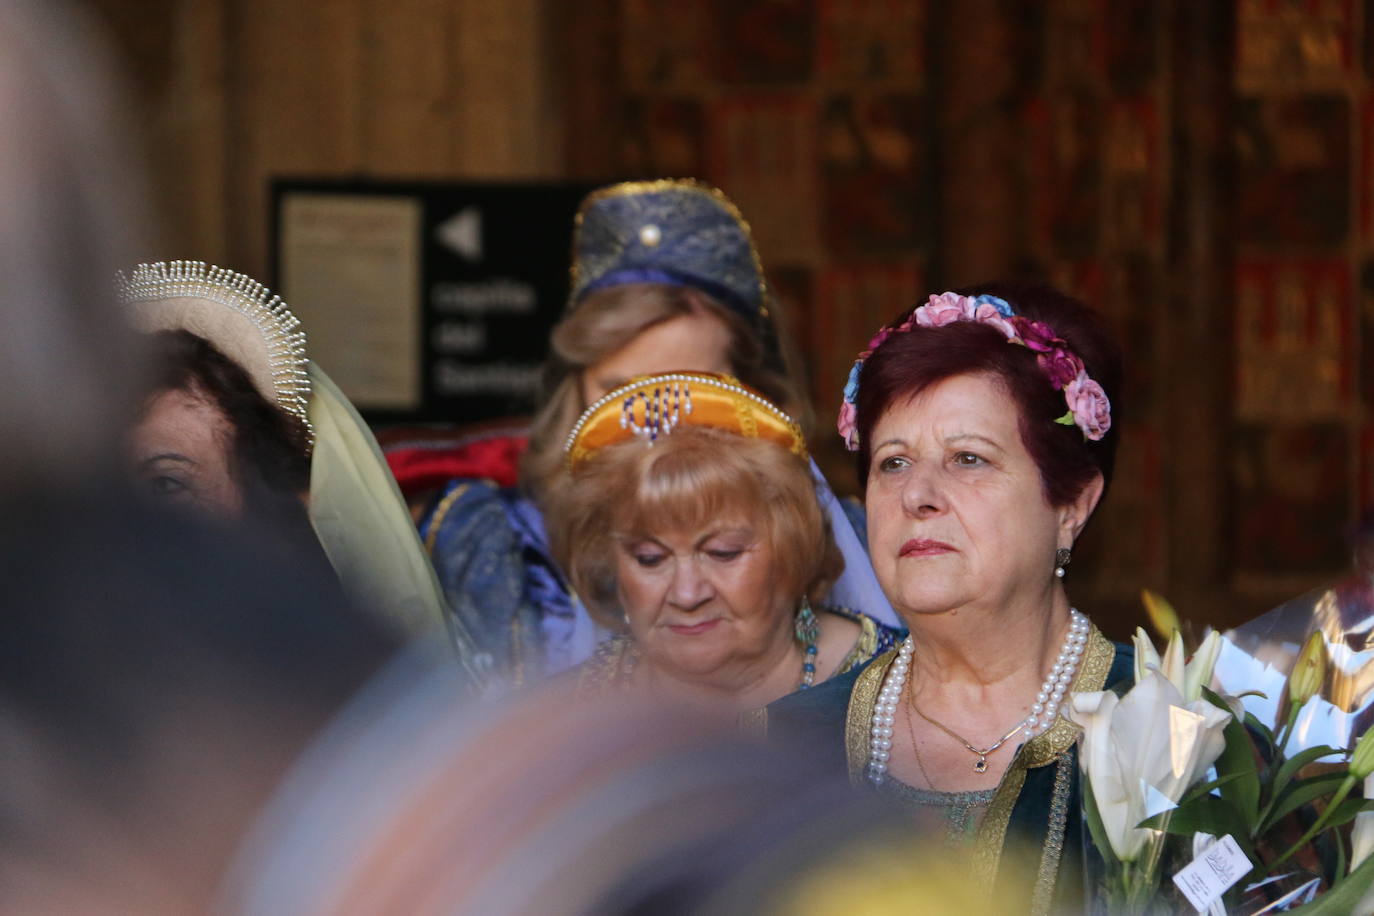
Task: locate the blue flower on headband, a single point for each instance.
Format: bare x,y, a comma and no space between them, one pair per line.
851,387
1003,306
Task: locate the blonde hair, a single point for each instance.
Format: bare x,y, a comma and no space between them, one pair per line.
609,319
679,484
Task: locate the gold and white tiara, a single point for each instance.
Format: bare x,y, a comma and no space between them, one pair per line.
242,318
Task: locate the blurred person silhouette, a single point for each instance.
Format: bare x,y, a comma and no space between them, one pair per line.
665,277
535,805
158,673
238,423
155,675
71,211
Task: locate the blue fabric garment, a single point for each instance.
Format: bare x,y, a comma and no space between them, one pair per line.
491,553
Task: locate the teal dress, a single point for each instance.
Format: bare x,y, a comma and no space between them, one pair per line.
1037,802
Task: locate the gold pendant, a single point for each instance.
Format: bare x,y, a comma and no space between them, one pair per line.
981,766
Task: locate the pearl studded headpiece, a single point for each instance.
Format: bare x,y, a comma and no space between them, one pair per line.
652,406
236,314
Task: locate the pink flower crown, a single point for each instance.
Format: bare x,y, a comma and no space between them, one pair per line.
1089,408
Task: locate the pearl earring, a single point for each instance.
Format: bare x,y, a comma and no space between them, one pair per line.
1062,557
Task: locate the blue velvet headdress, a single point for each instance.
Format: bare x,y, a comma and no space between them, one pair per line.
675,231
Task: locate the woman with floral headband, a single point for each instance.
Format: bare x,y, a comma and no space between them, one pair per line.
665,276
983,426
688,521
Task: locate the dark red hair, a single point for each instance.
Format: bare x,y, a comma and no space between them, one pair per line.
907,364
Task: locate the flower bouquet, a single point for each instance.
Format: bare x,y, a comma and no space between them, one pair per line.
1233,800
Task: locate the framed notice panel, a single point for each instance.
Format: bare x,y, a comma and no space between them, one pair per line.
426,301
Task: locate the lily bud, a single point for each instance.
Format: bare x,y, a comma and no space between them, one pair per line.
1163,617
1309,671
1362,758
1146,656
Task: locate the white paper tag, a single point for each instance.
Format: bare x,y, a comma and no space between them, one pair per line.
1214,871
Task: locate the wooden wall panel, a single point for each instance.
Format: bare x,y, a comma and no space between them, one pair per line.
296,106
235,92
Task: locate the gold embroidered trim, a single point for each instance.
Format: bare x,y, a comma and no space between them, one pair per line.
604,673
753,723
857,721
1045,880
864,646
992,832
436,520
1041,750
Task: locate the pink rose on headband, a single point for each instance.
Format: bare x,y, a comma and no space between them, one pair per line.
1061,366
987,314
847,425
1092,412
944,309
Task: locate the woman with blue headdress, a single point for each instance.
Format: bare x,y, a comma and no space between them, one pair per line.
665,276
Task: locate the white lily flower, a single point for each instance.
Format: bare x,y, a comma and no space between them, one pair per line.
1188,676
1142,752
1146,657
1172,664
1200,667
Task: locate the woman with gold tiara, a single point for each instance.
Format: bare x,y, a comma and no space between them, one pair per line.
983,426
664,277
688,521
239,423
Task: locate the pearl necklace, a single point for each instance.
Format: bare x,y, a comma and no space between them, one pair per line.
1043,713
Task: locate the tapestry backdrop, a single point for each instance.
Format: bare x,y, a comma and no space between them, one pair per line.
1203,172
884,149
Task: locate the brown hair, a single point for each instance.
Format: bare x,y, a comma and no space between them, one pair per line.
686,478
607,320
268,449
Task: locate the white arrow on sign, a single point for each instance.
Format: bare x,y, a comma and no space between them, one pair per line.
462,234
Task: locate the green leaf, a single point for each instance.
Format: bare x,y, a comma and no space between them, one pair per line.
1303,792
1262,731
1347,811
1207,787
1205,814
1298,761
1341,899
1067,419
1238,759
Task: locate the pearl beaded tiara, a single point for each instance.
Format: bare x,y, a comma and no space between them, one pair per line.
239,316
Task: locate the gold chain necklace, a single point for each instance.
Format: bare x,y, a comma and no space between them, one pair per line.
982,765
911,733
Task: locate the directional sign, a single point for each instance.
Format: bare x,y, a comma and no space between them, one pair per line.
427,301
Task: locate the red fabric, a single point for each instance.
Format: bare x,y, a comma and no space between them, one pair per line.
426,464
